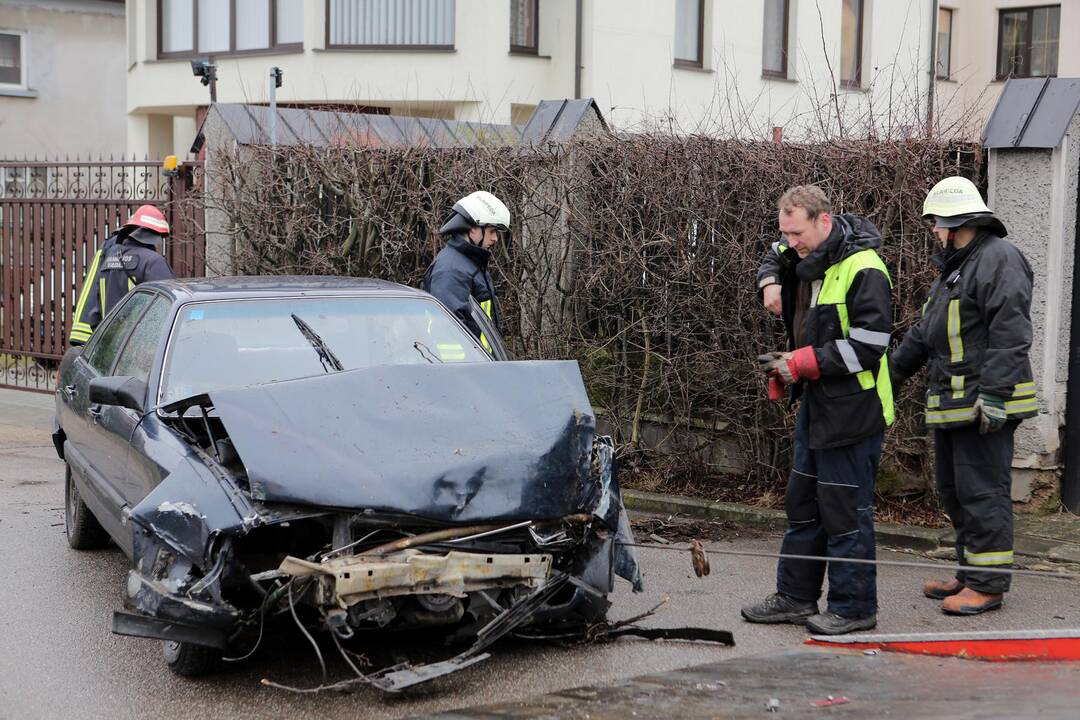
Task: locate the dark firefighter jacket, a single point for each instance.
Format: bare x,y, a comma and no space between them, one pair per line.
120,264
458,272
848,323
974,333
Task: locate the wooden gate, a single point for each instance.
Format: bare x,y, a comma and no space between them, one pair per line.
53,218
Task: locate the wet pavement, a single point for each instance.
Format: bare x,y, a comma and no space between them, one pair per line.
817,684
58,658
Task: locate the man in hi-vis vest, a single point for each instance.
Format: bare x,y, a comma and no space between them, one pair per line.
129,257
825,278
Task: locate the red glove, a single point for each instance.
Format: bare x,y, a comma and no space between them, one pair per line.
791,367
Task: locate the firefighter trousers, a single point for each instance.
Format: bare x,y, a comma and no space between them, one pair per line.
974,479
830,512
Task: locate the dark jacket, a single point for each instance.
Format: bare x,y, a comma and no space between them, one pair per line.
853,398
458,272
974,333
120,264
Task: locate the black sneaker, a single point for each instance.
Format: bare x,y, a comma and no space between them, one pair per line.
779,608
828,623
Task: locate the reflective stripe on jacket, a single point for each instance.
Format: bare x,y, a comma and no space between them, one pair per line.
118,266
974,334
848,323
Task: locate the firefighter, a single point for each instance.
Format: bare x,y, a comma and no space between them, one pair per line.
825,278
460,270
974,335
129,257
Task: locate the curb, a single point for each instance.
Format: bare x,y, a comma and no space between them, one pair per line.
907,537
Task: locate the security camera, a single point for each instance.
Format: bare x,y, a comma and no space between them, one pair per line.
205,70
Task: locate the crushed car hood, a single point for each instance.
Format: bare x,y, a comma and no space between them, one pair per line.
449,442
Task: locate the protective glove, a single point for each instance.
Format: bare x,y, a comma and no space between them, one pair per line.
791,367
990,411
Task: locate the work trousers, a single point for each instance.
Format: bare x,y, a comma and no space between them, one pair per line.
830,512
974,479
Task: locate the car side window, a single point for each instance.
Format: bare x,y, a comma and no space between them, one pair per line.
138,354
110,334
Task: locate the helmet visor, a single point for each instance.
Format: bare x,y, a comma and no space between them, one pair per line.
955,221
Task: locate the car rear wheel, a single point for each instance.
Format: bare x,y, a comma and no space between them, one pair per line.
84,532
190,660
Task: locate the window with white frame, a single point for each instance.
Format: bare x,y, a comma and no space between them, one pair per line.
395,24
13,60
187,28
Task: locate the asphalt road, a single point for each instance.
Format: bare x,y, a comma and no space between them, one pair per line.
58,658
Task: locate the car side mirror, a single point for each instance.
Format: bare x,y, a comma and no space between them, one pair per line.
123,390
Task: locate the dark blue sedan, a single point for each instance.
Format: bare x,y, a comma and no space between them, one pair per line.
338,453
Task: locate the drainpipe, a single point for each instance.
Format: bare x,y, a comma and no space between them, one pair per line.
931,88
1070,479
577,50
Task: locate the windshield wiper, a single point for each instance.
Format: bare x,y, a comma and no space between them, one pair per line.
425,352
326,355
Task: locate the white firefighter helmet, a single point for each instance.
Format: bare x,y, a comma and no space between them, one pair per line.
478,209
954,197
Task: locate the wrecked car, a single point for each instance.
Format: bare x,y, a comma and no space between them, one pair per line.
338,452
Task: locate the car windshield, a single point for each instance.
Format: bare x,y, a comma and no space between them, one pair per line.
239,343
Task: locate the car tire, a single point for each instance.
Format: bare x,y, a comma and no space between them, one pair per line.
189,660
83,530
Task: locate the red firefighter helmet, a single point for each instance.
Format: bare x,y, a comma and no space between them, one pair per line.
149,217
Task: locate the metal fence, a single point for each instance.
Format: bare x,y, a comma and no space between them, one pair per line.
53,218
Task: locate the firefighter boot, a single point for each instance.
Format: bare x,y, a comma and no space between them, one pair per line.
779,608
941,589
971,602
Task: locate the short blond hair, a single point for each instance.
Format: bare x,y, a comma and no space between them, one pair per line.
808,197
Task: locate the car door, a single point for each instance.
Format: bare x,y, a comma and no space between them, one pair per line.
495,342
98,438
137,357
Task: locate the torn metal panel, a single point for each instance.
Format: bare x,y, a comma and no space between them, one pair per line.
186,508
400,677
363,577
451,443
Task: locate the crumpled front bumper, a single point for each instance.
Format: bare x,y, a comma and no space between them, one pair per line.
352,579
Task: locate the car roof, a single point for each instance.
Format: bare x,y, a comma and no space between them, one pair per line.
235,287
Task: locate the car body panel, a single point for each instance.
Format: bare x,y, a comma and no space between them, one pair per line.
393,439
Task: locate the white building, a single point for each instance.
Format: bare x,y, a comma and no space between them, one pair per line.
981,43
61,78
687,64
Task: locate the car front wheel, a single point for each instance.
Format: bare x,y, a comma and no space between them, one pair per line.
84,532
189,660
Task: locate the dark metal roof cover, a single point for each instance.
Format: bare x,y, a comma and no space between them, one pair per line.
250,125
558,120
1033,113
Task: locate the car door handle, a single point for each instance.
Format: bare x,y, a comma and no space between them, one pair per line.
95,413
69,390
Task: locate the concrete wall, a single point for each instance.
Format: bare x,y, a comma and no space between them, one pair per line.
1034,192
76,64
627,65
971,93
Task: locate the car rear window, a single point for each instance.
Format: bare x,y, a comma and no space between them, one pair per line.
239,343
